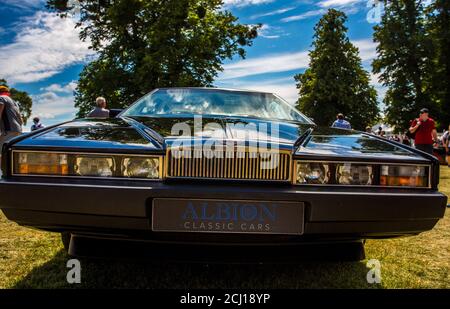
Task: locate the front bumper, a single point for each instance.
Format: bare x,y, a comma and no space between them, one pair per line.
115,209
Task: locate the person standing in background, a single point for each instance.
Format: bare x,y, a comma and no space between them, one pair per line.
445,143
380,130
36,124
405,139
341,123
100,111
10,117
425,132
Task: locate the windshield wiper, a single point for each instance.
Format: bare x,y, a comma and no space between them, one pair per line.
303,137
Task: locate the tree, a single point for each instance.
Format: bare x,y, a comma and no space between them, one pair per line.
143,45
402,55
438,28
23,100
335,81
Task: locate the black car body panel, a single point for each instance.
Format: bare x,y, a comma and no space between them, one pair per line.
125,208
121,208
101,134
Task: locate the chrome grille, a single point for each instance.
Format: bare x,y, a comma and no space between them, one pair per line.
244,165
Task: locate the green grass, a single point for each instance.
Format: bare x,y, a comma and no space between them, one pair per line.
35,259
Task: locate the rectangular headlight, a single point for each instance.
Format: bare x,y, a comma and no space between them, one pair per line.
87,165
40,163
354,174
316,173
94,166
141,167
404,176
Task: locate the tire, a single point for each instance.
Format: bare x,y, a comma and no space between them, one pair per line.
346,252
65,239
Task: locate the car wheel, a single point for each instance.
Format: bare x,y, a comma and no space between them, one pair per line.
352,252
65,238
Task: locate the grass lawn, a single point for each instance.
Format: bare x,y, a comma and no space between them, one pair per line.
35,259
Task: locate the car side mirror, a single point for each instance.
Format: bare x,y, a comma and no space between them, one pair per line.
114,112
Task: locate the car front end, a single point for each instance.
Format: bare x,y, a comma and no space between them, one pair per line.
135,178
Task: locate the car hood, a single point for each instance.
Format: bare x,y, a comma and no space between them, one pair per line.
225,128
115,135
339,143
152,134
303,139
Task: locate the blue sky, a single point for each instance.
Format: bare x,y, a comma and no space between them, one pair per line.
41,53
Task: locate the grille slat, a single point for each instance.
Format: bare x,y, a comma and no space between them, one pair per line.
228,165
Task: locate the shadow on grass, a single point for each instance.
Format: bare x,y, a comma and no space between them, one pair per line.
106,273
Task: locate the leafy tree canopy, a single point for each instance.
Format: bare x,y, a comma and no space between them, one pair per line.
22,98
335,81
438,73
403,53
147,44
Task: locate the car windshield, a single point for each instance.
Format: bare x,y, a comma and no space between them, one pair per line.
179,101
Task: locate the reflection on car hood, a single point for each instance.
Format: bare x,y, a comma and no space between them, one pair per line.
353,145
229,128
101,134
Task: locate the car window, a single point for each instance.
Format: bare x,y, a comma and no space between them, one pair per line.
215,102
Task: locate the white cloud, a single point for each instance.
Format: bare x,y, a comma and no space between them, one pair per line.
270,32
274,63
367,49
54,105
272,13
45,45
69,88
337,3
304,15
381,90
347,6
271,63
24,4
374,79
241,3
50,105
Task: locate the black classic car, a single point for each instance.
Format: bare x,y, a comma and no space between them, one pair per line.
209,168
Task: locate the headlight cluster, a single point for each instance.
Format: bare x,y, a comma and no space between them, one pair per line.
86,165
358,174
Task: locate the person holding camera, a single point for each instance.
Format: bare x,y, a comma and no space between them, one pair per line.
424,131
